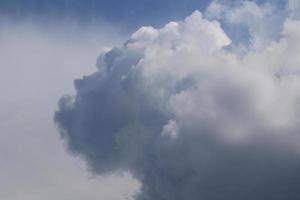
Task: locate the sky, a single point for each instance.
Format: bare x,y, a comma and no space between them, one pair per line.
144,100
132,12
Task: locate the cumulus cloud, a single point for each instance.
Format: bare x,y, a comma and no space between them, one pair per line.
189,117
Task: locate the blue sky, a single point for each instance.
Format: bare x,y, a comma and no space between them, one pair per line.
126,15
132,12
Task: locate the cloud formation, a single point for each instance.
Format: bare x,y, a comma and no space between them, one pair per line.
189,116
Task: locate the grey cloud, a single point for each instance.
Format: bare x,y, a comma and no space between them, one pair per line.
189,118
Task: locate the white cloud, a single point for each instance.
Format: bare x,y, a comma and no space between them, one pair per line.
233,120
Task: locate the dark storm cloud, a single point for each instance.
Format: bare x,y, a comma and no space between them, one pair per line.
190,118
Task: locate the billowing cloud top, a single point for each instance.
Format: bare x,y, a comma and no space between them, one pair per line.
190,114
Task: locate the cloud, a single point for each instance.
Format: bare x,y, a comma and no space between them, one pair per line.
189,117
